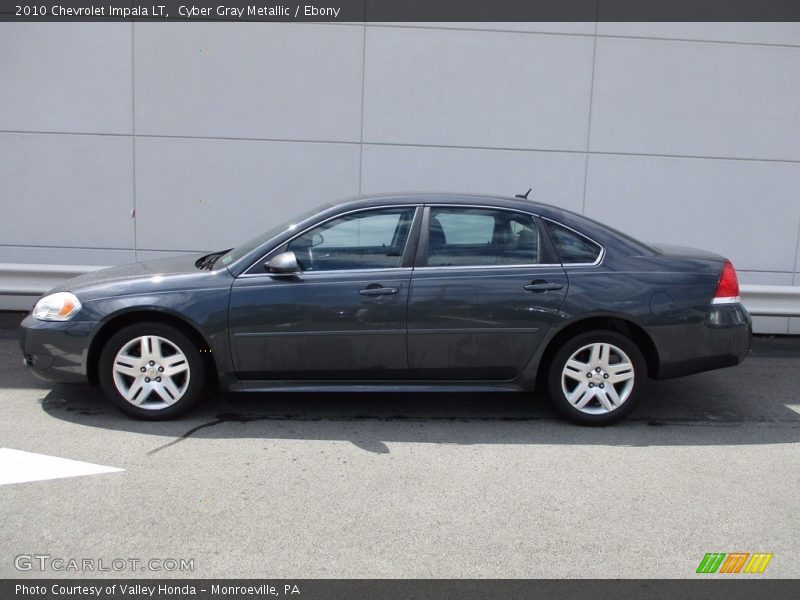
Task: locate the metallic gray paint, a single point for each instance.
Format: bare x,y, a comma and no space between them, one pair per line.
465,326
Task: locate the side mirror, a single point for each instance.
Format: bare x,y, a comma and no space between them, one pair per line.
284,263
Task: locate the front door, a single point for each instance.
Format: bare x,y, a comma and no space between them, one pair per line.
342,317
483,295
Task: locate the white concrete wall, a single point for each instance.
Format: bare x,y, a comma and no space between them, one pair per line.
686,133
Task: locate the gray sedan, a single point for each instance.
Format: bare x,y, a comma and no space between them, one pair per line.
400,292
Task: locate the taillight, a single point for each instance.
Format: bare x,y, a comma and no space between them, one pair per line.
728,286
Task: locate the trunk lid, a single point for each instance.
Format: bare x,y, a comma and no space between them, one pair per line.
686,252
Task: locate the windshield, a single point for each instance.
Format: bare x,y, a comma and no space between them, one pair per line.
251,245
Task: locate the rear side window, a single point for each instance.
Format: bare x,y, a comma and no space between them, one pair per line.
572,247
466,237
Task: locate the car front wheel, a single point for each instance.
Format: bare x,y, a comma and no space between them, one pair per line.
597,378
152,371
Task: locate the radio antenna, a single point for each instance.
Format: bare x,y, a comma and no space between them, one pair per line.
523,196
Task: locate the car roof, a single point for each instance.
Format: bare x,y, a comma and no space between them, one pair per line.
595,230
387,199
598,232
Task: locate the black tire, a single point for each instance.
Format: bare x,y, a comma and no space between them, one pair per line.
151,409
594,412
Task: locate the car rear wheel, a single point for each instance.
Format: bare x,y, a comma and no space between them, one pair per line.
597,378
152,371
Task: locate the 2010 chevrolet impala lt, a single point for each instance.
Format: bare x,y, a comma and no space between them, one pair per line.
400,292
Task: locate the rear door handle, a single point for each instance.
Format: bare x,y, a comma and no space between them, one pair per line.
379,291
542,286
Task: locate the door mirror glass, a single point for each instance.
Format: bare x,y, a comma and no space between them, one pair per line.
282,264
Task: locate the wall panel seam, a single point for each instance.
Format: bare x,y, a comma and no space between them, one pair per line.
581,35
796,254
363,86
589,119
413,145
133,137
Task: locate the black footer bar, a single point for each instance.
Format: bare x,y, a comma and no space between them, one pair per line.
400,589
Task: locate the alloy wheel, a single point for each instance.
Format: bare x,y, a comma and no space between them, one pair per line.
151,372
598,378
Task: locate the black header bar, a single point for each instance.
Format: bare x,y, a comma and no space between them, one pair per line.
401,10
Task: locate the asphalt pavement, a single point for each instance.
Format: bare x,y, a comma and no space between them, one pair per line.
409,485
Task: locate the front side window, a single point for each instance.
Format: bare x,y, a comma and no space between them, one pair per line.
463,237
249,246
572,248
371,239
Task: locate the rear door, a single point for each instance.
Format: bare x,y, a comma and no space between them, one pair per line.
485,290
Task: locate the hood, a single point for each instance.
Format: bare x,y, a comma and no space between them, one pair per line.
155,275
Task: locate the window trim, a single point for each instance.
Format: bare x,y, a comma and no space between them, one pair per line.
408,251
598,260
422,248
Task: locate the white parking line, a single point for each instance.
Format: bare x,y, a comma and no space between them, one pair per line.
794,407
18,466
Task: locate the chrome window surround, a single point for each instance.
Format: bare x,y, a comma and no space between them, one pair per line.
600,256
473,267
469,267
597,262
248,274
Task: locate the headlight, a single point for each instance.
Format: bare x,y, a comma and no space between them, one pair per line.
60,306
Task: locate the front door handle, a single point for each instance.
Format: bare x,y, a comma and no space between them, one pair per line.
540,285
379,291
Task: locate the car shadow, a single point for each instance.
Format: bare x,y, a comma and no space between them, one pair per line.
754,403
727,407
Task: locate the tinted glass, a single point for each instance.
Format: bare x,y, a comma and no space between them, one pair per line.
571,247
373,239
251,245
461,237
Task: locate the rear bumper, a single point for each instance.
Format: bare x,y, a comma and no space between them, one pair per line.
721,340
56,351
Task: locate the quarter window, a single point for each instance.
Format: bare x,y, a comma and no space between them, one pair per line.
373,239
572,247
478,237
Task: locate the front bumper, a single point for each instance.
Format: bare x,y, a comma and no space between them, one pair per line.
721,340
56,350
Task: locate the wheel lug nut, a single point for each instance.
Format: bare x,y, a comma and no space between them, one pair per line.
147,380
161,370
143,369
152,362
602,385
591,385
596,370
588,374
605,375
158,379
